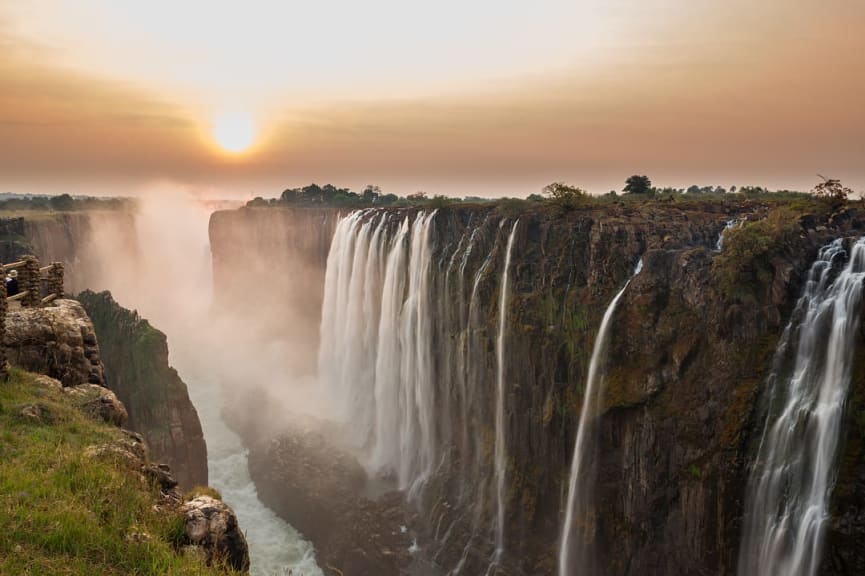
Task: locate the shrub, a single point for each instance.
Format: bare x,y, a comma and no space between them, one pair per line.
565,196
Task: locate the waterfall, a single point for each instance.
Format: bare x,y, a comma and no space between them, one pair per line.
577,489
376,354
790,484
719,245
414,378
500,447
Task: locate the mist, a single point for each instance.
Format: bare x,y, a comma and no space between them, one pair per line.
159,263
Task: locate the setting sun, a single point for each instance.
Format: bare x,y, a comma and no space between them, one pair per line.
234,131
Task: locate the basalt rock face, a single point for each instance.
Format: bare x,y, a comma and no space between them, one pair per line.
136,365
269,265
303,477
683,402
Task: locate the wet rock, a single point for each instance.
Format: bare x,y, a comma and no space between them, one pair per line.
323,492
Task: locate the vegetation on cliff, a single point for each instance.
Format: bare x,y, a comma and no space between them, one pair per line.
67,508
637,188
135,355
60,203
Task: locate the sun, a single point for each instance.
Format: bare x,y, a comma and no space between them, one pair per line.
234,131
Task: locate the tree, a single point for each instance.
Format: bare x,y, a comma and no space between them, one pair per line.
257,202
831,188
371,193
419,196
290,196
564,195
638,185
62,202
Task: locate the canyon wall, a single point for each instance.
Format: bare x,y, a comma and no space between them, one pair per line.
682,404
135,355
268,267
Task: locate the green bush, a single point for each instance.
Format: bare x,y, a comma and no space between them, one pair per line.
745,265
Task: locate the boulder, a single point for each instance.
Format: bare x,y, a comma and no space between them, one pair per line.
57,341
98,402
212,525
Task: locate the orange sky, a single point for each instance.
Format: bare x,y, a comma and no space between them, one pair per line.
96,98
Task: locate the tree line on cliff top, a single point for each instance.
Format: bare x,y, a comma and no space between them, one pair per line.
637,187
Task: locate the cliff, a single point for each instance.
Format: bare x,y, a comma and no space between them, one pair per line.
135,356
683,401
269,265
81,496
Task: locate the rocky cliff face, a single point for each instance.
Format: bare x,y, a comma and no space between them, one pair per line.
682,404
268,265
58,343
136,364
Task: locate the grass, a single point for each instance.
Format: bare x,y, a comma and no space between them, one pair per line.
65,512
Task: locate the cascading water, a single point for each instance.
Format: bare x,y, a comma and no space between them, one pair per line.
500,447
578,492
792,478
404,341
376,326
719,245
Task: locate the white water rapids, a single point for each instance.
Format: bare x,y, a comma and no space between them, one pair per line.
275,548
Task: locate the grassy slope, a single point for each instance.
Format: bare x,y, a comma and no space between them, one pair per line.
63,512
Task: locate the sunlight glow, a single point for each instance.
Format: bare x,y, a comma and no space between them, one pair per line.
234,131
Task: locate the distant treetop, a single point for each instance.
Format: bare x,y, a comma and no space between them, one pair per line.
638,185
832,189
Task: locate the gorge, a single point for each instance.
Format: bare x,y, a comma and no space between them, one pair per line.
492,389
678,422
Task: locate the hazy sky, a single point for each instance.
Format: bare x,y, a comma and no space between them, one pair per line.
469,97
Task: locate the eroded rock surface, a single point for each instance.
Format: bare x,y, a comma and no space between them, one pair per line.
135,355
57,340
98,402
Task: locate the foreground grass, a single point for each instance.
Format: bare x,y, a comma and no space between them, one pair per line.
63,512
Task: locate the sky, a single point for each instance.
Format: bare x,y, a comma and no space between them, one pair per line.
460,98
